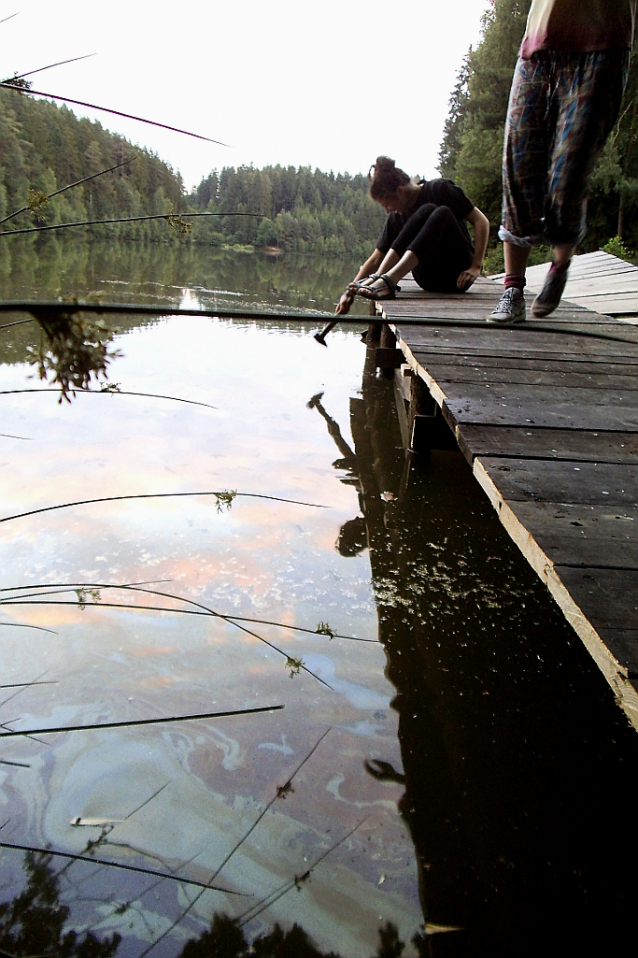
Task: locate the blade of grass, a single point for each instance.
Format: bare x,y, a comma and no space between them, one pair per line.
104,109
24,625
159,495
117,219
70,186
20,688
274,896
205,610
280,791
52,308
159,608
129,868
133,586
106,392
136,722
60,63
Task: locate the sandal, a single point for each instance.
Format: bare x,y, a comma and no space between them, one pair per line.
360,283
389,292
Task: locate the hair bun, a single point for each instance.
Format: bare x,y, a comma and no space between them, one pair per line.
386,178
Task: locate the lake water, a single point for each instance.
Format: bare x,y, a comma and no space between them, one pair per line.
435,762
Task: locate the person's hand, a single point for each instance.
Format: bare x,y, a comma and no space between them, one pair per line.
468,277
344,304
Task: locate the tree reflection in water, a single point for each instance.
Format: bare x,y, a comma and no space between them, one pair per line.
34,922
226,940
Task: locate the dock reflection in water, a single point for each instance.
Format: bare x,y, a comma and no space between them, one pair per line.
459,805
517,765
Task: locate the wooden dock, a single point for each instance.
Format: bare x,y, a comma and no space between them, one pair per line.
597,281
546,413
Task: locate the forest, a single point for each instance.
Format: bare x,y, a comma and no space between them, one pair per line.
45,147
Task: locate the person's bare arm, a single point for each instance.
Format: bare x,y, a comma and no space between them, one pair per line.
481,226
370,265
367,269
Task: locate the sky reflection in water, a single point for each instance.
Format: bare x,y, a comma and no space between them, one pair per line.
256,558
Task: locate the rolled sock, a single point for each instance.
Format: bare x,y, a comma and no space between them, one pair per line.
512,280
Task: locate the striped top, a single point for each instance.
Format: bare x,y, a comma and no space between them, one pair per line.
578,26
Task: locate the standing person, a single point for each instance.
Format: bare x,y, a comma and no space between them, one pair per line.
425,232
565,99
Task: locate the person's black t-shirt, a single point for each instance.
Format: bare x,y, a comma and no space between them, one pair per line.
441,192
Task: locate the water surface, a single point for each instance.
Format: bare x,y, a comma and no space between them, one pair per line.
448,771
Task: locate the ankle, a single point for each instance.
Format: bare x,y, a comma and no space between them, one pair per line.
512,281
560,268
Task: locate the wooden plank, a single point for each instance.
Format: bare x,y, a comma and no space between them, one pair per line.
590,378
533,393
598,281
566,416
583,535
520,360
625,693
599,338
451,359
609,598
528,442
480,344
623,644
537,480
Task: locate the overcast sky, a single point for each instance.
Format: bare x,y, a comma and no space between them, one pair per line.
329,85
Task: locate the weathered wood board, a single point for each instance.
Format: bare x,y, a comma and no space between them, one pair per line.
547,414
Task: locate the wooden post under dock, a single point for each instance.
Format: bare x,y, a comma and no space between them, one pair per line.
546,413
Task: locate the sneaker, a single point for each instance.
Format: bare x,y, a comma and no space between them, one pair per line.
551,293
510,309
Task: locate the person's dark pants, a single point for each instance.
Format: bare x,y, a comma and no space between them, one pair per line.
436,238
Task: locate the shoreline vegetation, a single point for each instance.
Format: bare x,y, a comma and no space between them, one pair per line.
277,209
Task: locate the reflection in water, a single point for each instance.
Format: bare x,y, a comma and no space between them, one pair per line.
34,923
459,806
516,760
161,604
180,273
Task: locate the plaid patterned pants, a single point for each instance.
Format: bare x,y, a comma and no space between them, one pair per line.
562,108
